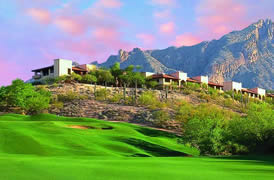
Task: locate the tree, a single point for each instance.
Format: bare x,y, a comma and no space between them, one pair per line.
104,76
126,78
116,72
151,84
138,79
88,78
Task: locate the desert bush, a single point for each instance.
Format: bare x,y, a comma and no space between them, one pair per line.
48,80
228,103
61,79
70,96
184,112
116,98
192,86
149,99
204,96
186,91
76,77
269,100
204,86
214,93
102,94
160,117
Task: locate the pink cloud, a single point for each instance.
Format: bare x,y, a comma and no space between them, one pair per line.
163,2
105,34
167,28
109,3
147,39
41,15
220,17
162,14
71,24
186,40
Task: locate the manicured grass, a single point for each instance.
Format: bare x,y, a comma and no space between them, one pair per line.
142,168
49,135
46,147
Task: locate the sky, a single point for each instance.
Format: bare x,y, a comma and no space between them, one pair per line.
35,32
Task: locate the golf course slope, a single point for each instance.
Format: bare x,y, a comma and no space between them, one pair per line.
52,147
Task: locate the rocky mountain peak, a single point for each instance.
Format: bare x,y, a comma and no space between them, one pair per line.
246,56
123,55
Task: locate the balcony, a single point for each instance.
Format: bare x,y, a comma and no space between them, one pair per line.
36,77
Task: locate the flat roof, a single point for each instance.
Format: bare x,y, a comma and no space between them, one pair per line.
44,68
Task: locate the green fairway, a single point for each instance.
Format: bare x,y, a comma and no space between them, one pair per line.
51,147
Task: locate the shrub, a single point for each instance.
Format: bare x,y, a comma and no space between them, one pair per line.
206,127
255,131
192,86
70,96
61,79
24,96
149,99
102,94
213,93
76,77
186,91
88,78
48,80
116,98
38,102
160,117
184,112
204,96
151,84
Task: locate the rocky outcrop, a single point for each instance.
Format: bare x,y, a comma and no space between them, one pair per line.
246,56
89,107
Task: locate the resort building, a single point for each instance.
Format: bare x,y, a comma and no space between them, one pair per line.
88,67
165,80
201,79
147,74
181,76
259,92
65,67
232,86
215,86
59,68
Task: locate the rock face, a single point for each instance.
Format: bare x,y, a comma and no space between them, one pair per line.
246,56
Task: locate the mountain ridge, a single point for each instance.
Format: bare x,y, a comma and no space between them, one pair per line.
246,56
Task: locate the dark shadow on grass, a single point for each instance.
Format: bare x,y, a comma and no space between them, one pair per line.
155,133
153,149
107,128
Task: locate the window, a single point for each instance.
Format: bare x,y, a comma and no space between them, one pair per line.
69,71
167,80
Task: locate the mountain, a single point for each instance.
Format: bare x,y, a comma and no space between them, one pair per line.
246,56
